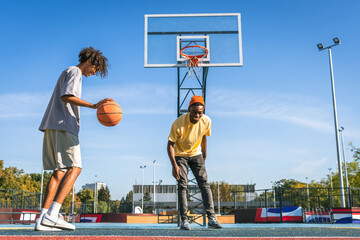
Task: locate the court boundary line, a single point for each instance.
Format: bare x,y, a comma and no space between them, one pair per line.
85,237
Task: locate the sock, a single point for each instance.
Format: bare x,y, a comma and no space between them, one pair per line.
54,209
43,211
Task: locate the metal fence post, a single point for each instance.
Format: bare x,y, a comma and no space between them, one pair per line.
12,207
204,216
235,200
22,199
266,202
349,198
280,202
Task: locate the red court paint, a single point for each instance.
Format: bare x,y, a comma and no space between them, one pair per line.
164,238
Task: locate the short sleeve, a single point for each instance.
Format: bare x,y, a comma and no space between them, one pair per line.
72,83
208,132
173,136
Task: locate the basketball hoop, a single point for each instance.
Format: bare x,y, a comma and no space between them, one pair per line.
194,54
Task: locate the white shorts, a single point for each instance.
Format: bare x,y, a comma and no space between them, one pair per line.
61,150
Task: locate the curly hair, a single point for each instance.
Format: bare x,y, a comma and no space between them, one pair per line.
96,58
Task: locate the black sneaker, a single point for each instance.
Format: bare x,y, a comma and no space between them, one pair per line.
213,223
184,225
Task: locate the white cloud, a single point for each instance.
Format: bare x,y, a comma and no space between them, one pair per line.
311,167
23,104
295,109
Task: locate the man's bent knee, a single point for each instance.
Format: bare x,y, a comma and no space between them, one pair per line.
204,184
182,187
74,170
58,175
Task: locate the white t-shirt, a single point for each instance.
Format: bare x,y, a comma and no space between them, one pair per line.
60,115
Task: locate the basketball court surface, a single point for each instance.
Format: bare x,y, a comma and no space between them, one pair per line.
124,231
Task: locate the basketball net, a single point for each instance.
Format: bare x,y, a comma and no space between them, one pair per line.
194,56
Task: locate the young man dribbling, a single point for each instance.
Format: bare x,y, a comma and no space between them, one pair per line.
187,148
61,125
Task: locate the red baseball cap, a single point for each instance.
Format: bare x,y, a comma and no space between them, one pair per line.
197,99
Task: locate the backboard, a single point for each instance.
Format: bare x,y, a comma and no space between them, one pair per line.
166,34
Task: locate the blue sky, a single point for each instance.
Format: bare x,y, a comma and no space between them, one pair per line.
272,118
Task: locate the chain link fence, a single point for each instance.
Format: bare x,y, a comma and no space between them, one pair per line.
17,199
307,198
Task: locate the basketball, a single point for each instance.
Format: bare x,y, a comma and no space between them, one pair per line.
109,114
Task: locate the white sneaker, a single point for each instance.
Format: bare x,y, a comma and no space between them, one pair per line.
184,225
56,222
40,227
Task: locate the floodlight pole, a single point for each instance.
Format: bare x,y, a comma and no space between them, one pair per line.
218,185
142,188
341,182
345,169
273,186
154,188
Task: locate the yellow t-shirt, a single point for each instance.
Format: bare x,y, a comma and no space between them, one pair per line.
187,136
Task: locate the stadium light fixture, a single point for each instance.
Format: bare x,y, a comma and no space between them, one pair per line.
320,46
336,40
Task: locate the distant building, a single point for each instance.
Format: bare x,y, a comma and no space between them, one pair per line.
167,193
91,186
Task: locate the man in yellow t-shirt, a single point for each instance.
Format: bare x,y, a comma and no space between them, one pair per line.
187,148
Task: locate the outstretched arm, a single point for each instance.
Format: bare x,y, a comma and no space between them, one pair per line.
82,103
204,147
171,153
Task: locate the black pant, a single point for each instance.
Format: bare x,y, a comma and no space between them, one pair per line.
197,166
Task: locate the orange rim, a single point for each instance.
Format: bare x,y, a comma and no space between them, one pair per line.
188,56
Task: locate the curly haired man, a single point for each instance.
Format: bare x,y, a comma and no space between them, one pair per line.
61,125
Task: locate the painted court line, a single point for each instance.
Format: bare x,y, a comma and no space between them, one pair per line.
163,238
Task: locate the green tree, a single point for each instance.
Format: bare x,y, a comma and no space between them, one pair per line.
289,183
356,152
225,191
129,197
86,195
115,206
11,178
17,179
104,194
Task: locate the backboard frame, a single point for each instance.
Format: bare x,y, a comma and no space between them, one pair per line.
181,63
